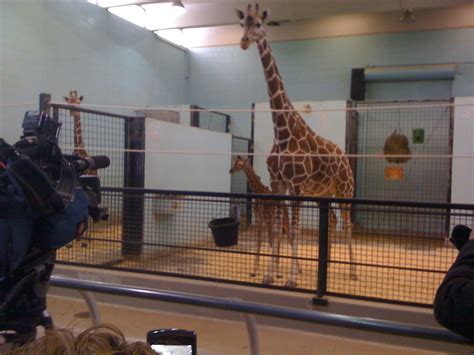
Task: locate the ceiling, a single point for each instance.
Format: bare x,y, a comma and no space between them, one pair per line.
209,13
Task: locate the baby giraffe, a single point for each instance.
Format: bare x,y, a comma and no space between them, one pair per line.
264,211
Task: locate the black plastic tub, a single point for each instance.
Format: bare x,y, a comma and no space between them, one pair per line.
225,231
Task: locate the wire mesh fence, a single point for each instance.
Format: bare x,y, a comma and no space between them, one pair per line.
398,252
427,128
211,120
401,267
396,260
102,133
428,131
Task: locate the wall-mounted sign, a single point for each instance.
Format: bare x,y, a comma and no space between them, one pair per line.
419,136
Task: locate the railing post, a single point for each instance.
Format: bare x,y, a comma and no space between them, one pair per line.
55,113
249,200
133,202
323,253
195,115
45,103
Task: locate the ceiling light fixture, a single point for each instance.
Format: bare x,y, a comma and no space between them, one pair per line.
178,7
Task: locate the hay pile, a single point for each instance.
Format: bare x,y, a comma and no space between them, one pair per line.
397,144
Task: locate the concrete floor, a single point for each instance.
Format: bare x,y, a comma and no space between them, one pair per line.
216,336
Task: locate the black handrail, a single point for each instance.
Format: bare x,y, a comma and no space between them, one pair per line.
339,320
88,110
358,201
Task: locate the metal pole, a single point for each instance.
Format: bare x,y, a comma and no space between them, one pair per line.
323,253
133,203
252,333
45,103
93,310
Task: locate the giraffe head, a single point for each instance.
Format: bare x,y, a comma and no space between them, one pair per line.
252,23
73,99
239,164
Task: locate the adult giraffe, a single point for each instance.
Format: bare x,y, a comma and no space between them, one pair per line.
300,161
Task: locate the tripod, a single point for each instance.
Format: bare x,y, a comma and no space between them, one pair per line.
23,303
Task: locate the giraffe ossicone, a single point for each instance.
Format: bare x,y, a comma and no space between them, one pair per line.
300,162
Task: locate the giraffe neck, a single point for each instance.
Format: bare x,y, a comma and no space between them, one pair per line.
79,146
254,181
279,100
286,124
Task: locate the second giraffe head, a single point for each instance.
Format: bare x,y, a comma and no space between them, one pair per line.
239,164
252,23
73,99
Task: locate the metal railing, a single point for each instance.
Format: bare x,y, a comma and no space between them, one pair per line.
339,320
393,265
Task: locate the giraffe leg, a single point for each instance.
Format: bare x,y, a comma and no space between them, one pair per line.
273,232
332,231
346,216
85,239
272,265
84,243
286,229
286,226
279,275
295,221
259,246
279,235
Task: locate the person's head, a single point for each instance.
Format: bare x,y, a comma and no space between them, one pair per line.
460,235
252,24
103,339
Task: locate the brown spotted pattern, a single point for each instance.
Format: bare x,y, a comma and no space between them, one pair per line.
79,146
263,210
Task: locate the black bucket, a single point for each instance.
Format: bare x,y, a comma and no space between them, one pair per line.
225,231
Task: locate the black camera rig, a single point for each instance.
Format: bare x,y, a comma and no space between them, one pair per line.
43,200
46,176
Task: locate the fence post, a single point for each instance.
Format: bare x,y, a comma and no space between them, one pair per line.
323,253
249,200
194,120
45,103
133,202
251,150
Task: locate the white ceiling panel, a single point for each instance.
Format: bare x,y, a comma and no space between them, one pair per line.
206,20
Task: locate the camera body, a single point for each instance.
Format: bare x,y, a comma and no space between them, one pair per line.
44,205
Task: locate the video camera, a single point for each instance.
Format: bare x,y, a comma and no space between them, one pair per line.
45,203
